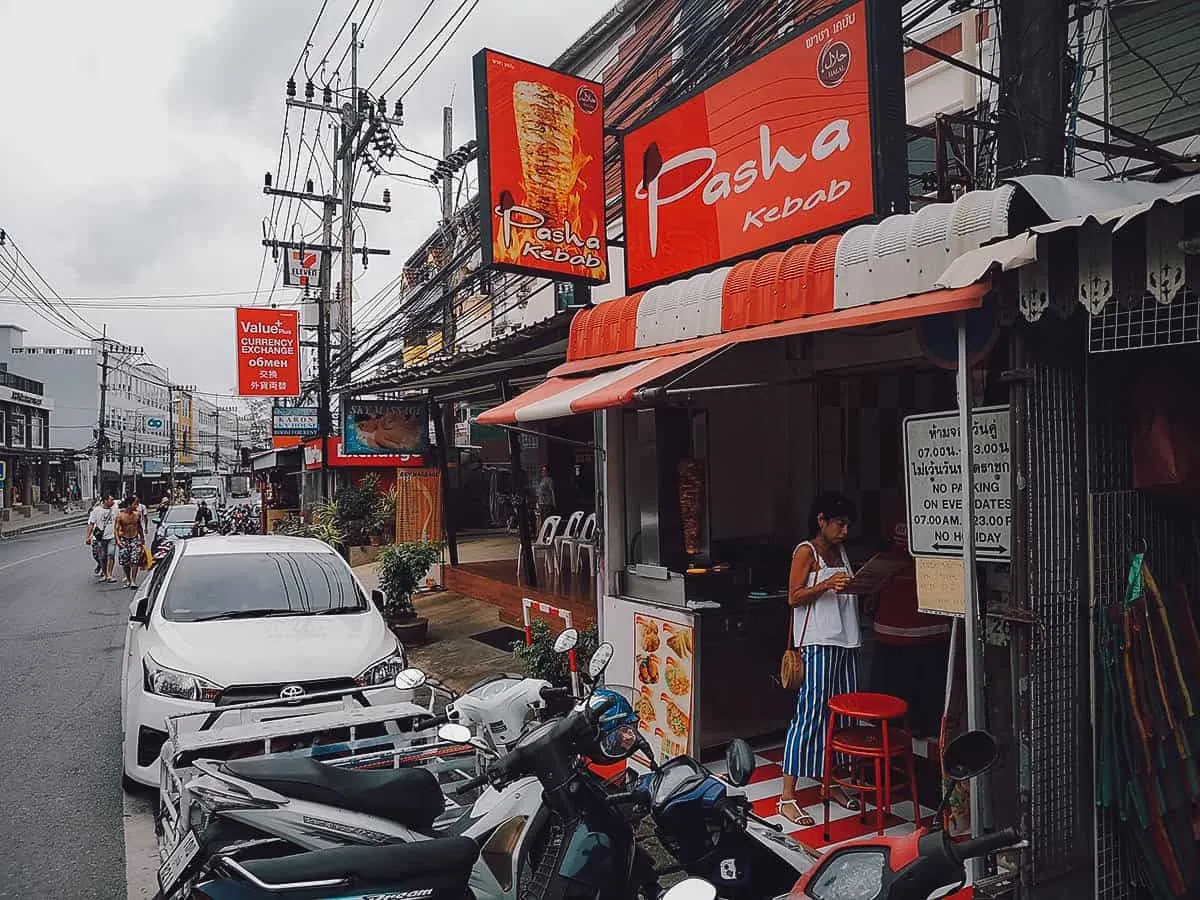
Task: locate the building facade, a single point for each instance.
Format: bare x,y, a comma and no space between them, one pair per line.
137,409
25,451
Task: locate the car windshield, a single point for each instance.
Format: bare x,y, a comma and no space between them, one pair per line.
205,587
205,492
185,513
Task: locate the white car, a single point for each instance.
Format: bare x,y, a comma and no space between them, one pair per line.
228,620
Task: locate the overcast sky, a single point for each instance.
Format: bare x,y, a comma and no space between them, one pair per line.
137,133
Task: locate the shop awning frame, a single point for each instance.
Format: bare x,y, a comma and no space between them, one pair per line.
931,303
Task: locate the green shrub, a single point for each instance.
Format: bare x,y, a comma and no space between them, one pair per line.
401,568
539,660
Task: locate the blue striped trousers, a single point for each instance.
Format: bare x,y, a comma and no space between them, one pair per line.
827,671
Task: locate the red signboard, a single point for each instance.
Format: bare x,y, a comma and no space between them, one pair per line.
268,352
795,143
339,458
541,169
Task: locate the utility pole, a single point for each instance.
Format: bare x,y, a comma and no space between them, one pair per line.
171,442
323,348
448,336
121,456
101,437
1032,97
351,121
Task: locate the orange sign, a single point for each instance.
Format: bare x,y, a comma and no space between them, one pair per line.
268,352
541,168
784,148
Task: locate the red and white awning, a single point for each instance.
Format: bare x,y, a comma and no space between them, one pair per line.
557,397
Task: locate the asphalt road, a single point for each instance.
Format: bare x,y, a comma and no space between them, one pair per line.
62,812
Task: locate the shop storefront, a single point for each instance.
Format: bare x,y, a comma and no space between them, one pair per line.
277,476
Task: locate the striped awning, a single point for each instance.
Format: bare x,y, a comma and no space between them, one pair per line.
556,397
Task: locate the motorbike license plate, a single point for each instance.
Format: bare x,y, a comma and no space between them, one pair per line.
185,851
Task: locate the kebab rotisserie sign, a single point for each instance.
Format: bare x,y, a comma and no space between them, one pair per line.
541,168
793,144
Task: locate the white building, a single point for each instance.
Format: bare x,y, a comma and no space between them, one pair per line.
137,412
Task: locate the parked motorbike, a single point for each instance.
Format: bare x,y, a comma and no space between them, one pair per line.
568,838
914,866
715,834
281,805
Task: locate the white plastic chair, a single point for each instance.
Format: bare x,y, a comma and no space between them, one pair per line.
585,544
563,543
543,546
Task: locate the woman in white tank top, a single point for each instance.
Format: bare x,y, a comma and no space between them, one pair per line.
825,630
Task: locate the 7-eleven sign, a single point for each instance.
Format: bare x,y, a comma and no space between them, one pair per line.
302,268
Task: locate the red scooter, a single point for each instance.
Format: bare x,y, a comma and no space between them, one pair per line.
914,866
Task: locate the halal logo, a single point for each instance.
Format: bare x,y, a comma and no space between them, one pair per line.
833,64
587,99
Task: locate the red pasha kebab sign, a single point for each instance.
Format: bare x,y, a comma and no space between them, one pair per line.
541,167
793,144
268,352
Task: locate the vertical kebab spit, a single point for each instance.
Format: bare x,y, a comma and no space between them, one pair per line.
545,136
691,504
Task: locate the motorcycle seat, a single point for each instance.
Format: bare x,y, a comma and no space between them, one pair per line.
411,797
442,865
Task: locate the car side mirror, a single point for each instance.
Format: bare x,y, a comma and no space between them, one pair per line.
379,598
139,609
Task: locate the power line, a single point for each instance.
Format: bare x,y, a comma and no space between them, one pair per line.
422,51
308,41
439,50
400,46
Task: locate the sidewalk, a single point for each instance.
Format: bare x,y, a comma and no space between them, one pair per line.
39,521
452,654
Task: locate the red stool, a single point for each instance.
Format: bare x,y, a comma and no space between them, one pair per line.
877,743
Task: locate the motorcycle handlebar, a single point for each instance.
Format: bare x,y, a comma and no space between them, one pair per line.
989,843
471,783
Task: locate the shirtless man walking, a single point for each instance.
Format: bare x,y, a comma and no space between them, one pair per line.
130,541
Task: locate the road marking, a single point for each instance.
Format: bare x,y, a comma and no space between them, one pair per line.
21,562
141,846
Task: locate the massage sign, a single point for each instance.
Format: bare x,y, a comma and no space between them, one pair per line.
804,140
541,139
268,352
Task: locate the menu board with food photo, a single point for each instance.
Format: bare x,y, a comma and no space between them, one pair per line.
664,660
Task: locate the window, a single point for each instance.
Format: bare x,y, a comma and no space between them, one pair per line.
36,435
3,433
16,429
1153,58
254,585
701,49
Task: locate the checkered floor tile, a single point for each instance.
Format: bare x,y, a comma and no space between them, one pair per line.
766,785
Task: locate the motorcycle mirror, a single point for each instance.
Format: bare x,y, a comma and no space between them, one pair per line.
600,660
968,755
566,641
453,733
739,761
691,889
408,679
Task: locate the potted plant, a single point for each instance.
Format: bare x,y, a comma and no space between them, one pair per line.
401,568
539,660
384,515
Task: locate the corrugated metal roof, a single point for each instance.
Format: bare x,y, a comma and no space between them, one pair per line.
907,254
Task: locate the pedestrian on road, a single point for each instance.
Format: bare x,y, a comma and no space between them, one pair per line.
130,541
203,519
100,533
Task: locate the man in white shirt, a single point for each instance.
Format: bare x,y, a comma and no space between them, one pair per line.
101,535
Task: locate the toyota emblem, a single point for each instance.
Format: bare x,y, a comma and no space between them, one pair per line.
291,692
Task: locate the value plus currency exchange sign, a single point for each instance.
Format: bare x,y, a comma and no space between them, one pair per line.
268,352
934,486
